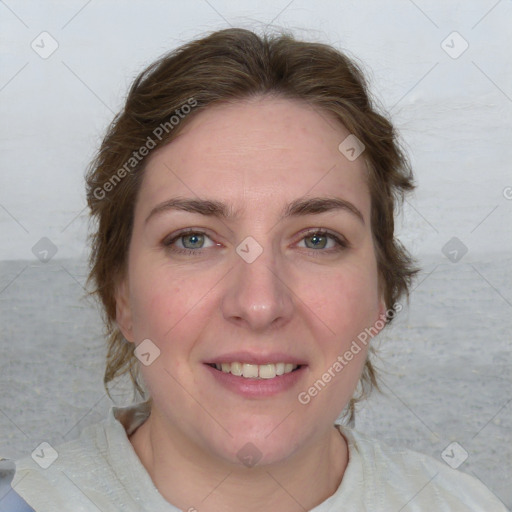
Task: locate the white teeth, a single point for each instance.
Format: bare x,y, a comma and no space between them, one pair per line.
254,371
267,371
236,369
250,370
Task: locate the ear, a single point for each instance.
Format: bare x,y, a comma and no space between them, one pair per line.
382,307
381,321
123,310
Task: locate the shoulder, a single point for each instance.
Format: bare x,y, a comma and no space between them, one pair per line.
10,500
90,472
52,477
415,481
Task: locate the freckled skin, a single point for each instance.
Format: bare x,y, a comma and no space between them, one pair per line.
256,155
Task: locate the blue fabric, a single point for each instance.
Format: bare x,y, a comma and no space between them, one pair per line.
10,500
13,502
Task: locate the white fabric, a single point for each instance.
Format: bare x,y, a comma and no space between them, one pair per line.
100,471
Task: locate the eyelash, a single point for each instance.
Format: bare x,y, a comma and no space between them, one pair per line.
341,242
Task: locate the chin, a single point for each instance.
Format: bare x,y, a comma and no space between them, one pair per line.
262,443
250,452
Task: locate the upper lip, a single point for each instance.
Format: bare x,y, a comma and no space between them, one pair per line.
253,358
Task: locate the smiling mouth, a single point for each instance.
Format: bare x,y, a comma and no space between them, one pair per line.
256,371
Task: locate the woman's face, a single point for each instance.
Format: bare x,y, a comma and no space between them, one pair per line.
233,276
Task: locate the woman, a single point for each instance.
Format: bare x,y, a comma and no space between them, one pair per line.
245,257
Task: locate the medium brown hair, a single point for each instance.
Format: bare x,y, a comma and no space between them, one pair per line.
230,65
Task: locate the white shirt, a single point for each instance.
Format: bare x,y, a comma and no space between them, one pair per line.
101,472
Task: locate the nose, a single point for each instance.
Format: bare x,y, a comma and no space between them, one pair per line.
258,296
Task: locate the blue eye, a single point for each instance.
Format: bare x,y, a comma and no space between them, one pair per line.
196,240
320,239
189,242
193,242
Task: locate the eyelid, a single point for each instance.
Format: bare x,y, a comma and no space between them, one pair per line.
339,239
173,237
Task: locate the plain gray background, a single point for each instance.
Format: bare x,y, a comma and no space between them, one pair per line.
442,70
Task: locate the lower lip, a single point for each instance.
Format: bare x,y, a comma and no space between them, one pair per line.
255,388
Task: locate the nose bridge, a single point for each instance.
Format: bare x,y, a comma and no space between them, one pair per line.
257,294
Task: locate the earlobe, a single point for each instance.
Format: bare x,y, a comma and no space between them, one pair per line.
381,320
123,310
382,308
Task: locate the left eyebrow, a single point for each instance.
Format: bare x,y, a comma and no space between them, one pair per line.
316,205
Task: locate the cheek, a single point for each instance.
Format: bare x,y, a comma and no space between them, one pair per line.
347,301
164,304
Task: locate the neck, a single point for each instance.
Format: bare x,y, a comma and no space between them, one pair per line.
191,479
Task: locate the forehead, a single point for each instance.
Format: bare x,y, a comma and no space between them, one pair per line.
261,152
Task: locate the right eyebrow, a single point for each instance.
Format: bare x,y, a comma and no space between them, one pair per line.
206,207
